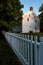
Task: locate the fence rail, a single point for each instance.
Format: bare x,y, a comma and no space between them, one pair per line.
28,50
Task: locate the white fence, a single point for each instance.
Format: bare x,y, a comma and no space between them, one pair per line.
29,51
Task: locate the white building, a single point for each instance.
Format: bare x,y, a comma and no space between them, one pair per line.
30,22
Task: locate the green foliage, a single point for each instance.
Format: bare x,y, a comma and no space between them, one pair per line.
41,18
10,13
41,8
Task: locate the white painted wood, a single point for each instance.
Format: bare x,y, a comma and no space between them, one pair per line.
29,51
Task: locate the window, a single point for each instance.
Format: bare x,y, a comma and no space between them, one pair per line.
35,27
27,19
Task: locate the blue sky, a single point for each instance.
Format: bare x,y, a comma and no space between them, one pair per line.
35,3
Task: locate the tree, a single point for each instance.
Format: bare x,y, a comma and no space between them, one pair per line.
41,17
10,13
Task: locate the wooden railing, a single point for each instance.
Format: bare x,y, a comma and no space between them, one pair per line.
28,49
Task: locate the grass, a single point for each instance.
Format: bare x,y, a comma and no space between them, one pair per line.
7,56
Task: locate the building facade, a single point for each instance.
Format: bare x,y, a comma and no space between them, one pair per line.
30,23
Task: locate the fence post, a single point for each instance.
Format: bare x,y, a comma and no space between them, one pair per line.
31,51
35,51
25,47
41,51
28,50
